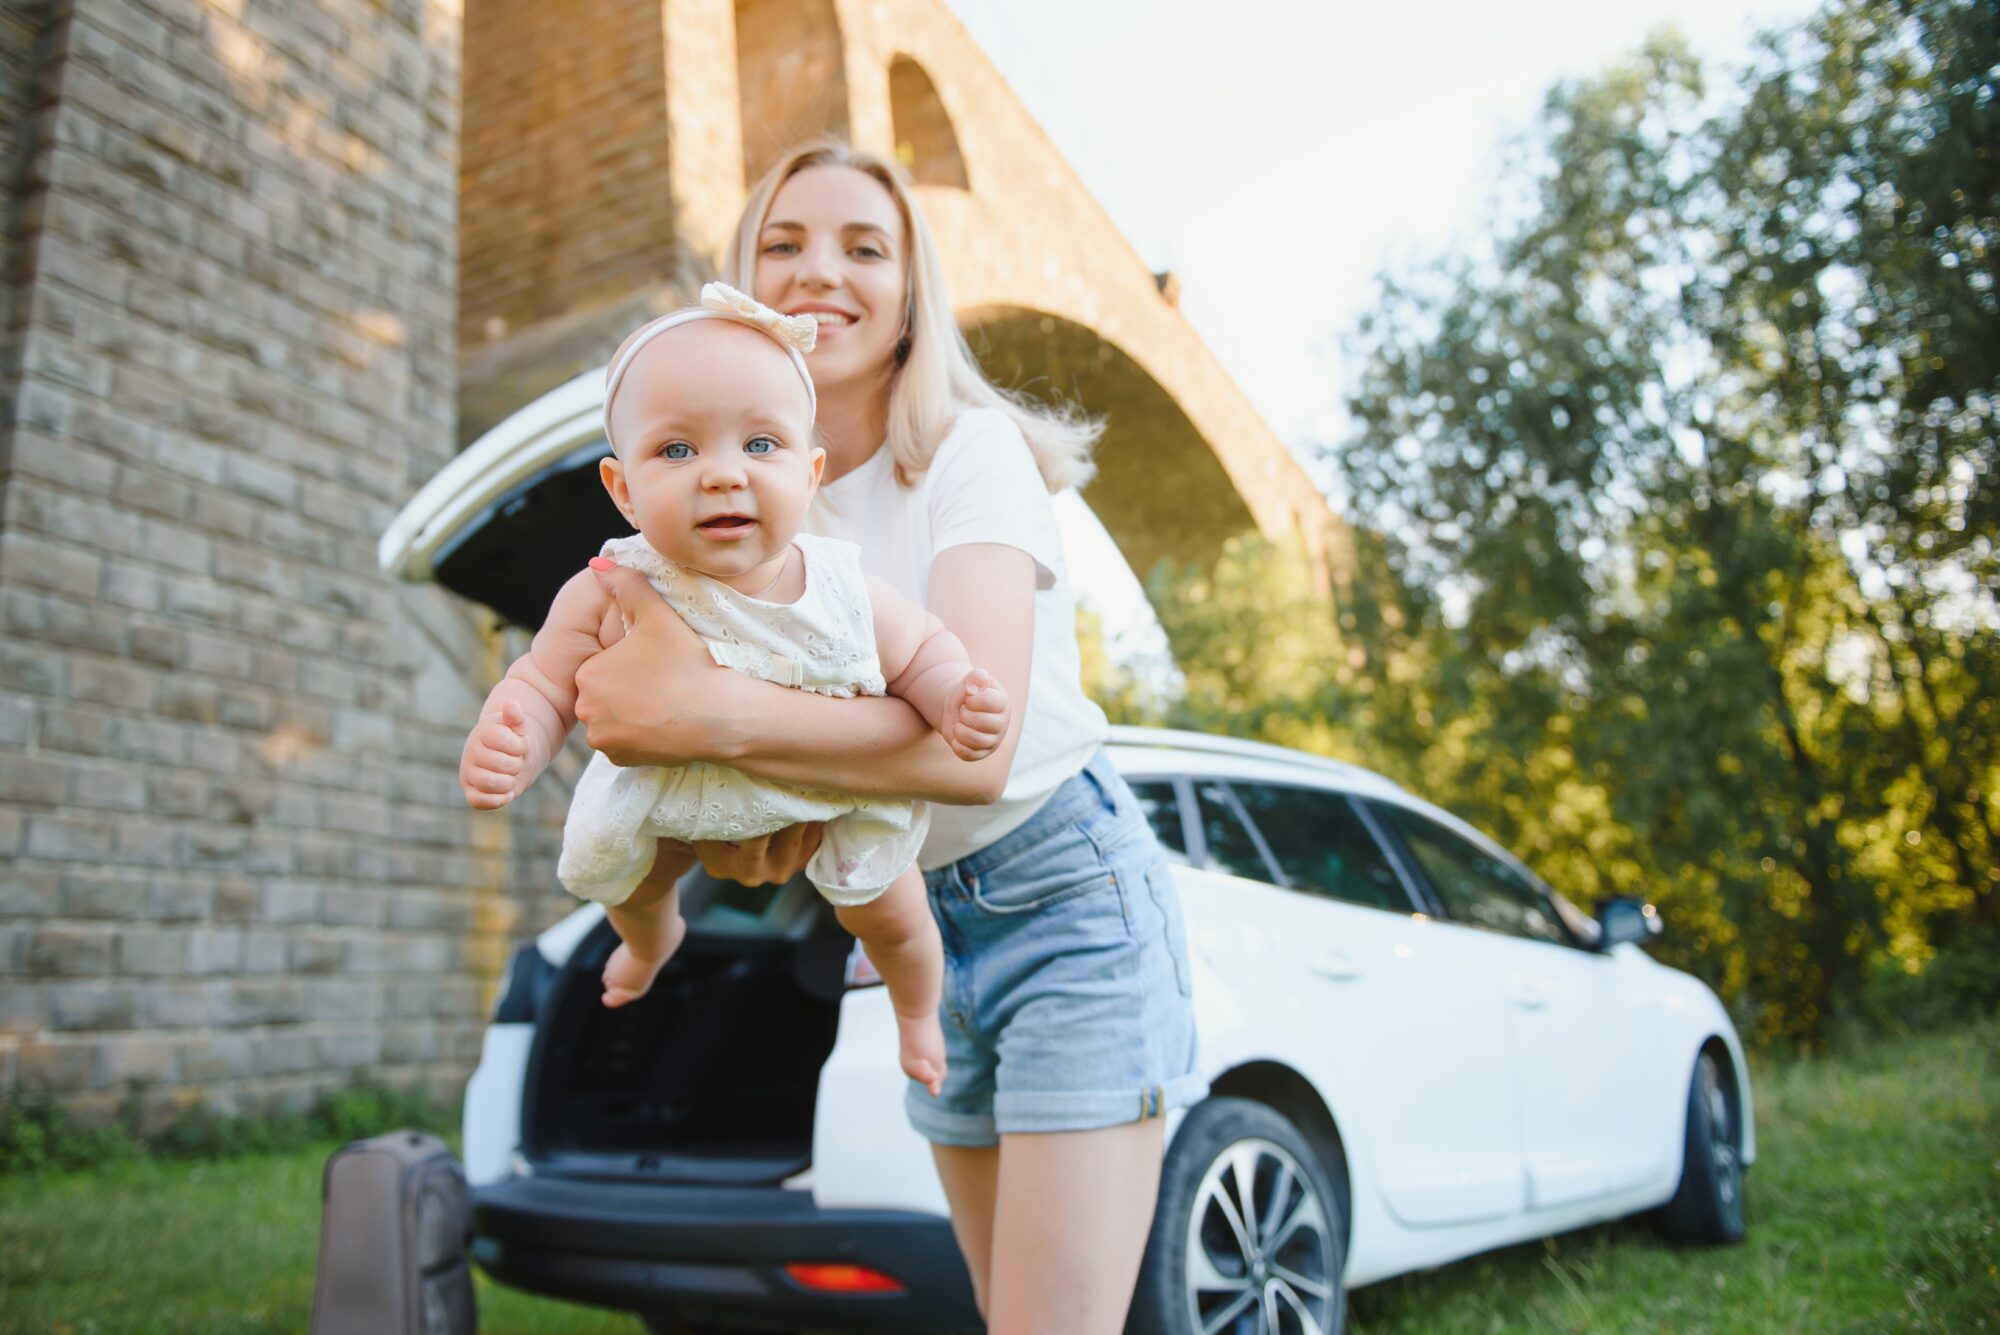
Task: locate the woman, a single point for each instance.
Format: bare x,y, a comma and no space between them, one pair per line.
1068,1027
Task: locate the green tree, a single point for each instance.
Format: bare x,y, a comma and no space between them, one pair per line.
1695,471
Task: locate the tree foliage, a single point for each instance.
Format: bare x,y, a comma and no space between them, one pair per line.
1679,503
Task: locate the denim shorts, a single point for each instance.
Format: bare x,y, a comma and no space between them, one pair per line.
1066,983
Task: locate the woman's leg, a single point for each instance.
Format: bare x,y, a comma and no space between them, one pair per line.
971,1180
901,938
1071,1216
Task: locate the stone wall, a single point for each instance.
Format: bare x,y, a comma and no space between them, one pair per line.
565,160
234,865
27,42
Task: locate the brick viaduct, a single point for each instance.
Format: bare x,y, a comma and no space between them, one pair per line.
264,266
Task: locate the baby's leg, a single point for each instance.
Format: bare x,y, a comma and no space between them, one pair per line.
650,925
902,941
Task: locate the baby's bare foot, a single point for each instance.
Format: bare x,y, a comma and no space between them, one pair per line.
922,1042
628,975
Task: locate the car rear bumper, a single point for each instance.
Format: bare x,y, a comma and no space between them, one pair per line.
718,1254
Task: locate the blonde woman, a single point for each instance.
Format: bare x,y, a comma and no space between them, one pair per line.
1068,1028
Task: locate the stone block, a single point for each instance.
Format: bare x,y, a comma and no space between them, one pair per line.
179,898
68,838
60,950
215,950
347,998
103,892
347,1049
24,1009
86,731
157,646
249,1001
93,1006
33,781
312,951
156,952
263,951
289,902
58,1066
214,1057
180,1005
17,715
35,669
117,685
282,1052
29,892
145,842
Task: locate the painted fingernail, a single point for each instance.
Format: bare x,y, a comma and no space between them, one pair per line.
601,563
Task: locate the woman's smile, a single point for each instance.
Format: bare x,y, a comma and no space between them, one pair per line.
831,319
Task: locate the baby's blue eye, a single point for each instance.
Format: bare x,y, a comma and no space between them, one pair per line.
760,445
678,449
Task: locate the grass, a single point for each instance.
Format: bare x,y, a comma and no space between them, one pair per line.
1875,1206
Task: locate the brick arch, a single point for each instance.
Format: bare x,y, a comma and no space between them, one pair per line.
1160,490
925,142
791,76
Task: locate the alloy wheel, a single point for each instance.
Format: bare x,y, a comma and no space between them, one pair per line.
1725,1163
1259,1252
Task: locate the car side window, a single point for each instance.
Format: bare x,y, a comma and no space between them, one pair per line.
1231,847
1162,806
1320,844
1475,887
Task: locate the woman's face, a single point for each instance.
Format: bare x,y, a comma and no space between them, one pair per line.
833,246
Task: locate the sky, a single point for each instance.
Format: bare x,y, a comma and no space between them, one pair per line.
1328,140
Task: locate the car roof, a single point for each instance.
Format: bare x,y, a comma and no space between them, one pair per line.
1143,752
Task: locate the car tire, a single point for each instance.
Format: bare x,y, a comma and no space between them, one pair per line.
1707,1206
1284,1276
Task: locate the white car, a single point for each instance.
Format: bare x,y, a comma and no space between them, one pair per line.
1417,1050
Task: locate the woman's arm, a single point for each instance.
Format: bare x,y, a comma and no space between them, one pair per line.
658,698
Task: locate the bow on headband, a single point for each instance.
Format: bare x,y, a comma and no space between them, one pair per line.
794,331
796,334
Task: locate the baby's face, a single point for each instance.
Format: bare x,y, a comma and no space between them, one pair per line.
715,461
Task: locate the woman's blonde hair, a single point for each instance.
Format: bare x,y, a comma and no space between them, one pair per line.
938,379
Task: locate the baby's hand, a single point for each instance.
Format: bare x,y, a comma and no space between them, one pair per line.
495,762
975,718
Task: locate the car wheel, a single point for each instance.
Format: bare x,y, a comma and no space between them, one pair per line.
1707,1207
1248,1237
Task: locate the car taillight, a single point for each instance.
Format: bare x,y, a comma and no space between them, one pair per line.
861,969
842,1279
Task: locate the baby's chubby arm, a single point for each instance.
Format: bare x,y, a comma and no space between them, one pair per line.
528,714
927,667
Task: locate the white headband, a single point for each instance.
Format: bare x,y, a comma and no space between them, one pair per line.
719,301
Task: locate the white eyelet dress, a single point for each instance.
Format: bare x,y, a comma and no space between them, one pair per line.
825,643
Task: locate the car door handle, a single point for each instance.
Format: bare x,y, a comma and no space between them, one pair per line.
1337,965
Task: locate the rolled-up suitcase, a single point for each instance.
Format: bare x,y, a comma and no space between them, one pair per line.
395,1216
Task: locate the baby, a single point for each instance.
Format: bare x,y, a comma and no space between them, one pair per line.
709,412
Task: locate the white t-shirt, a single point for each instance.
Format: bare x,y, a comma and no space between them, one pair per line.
982,486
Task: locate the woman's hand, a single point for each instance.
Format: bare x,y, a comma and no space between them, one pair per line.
775,858
649,699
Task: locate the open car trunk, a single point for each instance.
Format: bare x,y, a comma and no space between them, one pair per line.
712,1076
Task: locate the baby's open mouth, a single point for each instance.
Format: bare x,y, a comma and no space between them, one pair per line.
725,523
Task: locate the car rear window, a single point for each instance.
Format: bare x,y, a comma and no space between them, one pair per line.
1321,845
1231,846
